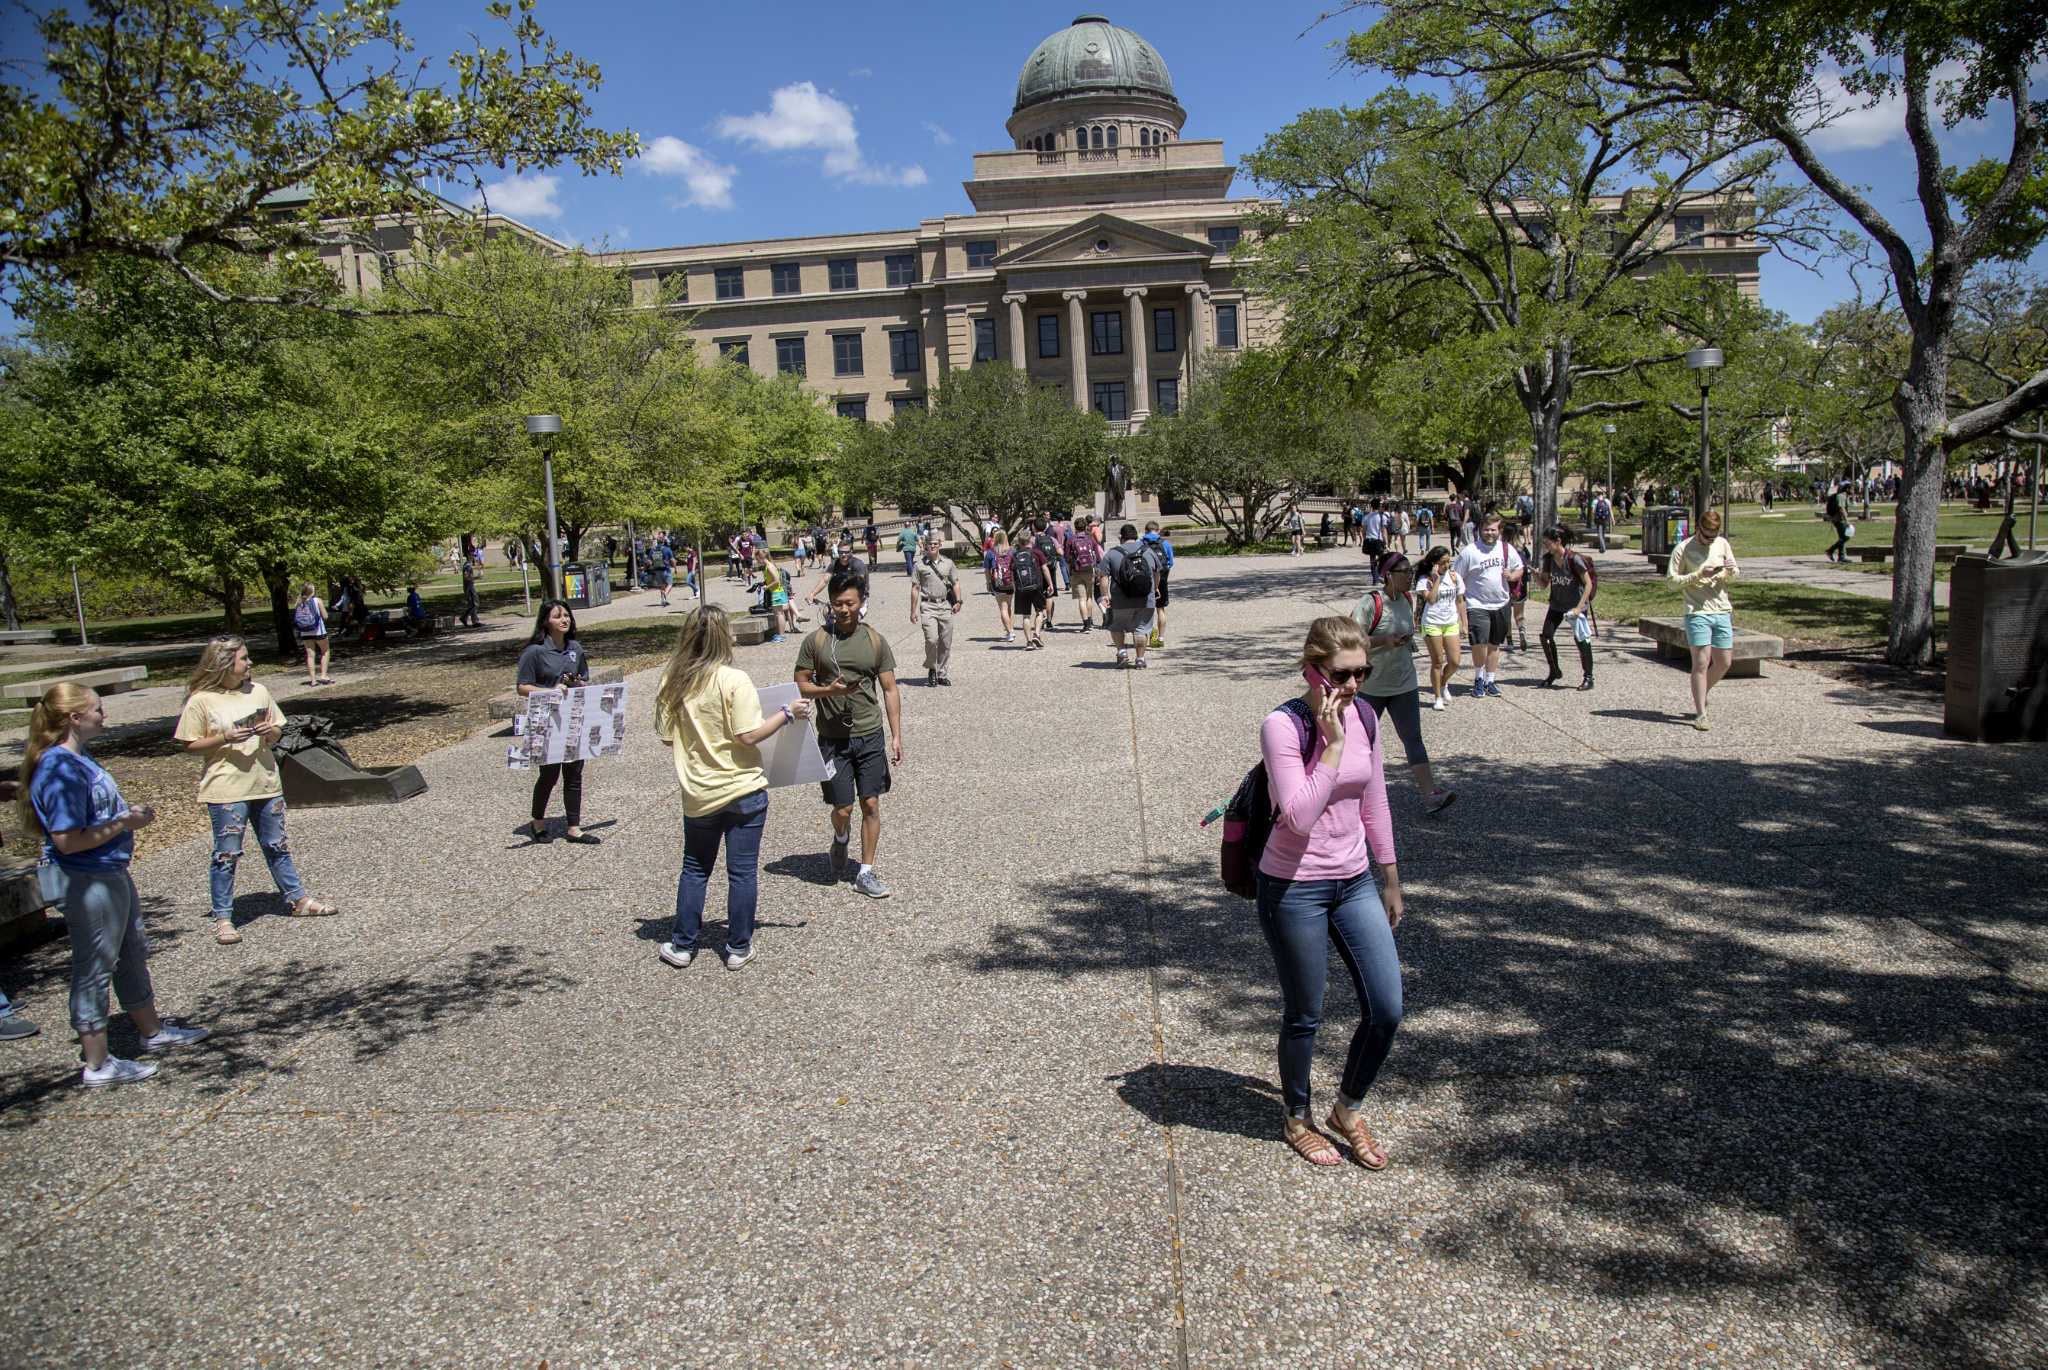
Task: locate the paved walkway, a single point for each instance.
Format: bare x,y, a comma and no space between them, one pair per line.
1720,1048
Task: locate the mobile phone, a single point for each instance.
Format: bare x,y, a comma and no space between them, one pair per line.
1316,677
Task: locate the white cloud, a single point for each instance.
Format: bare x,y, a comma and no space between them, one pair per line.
523,197
861,73
1859,123
802,118
707,184
939,135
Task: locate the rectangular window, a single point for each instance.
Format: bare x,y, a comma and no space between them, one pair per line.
984,340
789,356
1106,333
1226,325
1165,330
902,268
846,354
733,350
732,282
857,410
1691,229
1166,397
785,278
1110,401
905,403
905,355
673,279
1048,335
981,255
1224,239
843,274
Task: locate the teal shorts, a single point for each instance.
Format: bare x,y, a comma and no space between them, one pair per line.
1710,630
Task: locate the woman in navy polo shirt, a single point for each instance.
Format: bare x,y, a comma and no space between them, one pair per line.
88,834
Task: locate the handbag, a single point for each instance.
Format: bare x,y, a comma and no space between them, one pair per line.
1848,530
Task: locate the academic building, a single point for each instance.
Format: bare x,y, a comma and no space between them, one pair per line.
1097,256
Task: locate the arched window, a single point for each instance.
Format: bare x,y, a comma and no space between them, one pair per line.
1095,137
1112,135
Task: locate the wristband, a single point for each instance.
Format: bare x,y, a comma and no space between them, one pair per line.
787,716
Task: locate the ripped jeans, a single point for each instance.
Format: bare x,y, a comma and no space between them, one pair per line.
230,821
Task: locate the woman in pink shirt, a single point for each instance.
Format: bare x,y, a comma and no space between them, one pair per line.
1316,886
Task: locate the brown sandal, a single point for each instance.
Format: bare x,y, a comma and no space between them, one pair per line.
309,907
1309,1144
1364,1146
224,932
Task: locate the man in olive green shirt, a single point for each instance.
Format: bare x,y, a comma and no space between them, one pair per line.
848,672
934,599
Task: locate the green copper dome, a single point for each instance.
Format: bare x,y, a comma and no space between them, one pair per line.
1092,56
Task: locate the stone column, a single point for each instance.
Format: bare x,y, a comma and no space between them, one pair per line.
1141,403
1077,345
1016,303
1198,305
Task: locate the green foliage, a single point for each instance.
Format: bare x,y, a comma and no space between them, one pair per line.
156,131
217,446
992,446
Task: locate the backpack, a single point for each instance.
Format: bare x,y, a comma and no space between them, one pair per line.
1001,572
1248,818
1082,551
1379,611
1024,577
306,618
1133,575
1047,547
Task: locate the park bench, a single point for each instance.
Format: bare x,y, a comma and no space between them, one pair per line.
1949,551
1871,553
510,705
111,681
26,637
1751,650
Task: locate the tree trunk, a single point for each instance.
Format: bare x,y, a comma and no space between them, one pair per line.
280,586
1471,462
1911,640
230,596
7,605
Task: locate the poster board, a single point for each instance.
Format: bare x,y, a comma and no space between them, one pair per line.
791,757
579,724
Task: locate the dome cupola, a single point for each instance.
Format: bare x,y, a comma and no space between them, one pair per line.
1088,79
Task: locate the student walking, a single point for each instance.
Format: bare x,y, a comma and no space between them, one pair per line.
1388,618
1002,581
1315,886
1030,581
1518,588
1702,566
1130,576
1573,582
848,672
1603,516
1425,521
233,723
1084,558
88,834
708,713
554,660
1838,519
1161,546
1490,568
906,544
934,602
309,622
1052,551
775,592
1442,592
1294,531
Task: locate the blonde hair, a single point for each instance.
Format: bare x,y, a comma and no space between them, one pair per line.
1002,538
1710,523
47,725
216,668
703,644
1329,635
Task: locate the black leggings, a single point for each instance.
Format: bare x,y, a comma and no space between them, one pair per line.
1551,621
1840,550
572,791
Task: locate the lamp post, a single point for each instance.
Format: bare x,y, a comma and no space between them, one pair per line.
1608,429
741,486
544,426
1704,361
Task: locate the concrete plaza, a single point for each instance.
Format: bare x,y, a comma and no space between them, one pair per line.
1721,1048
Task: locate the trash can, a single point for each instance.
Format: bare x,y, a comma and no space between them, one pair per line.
1997,679
587,584
1664,527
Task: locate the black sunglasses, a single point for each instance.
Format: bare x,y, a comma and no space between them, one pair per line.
1345,677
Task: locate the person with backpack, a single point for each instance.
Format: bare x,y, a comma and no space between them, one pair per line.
1573,582
1084,558
1838,519
1603,518
847,671
1051,554
1327,782
1030,578
1424,524
309,622
468,617
1130,578
1002,581
1161,547
1388,617
708,713
843,562
934,602
906,545
1442,592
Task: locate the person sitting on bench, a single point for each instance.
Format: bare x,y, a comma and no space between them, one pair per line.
415,610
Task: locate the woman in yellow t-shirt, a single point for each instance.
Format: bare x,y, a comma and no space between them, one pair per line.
709,713
1702,566
232,721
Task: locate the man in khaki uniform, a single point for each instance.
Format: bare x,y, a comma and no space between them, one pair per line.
934,599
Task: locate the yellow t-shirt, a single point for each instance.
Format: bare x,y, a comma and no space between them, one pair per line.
1694,557
239,770
713,765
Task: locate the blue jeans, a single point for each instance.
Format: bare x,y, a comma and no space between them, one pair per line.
108,945
1302,919
230,821
741,824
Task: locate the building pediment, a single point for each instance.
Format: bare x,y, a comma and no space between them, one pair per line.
1105,238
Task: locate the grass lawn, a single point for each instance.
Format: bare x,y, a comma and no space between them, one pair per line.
1799,533
1805,616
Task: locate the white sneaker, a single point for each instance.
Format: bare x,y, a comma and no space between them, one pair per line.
1439,704
735,959
115,1071
169,1036
676,956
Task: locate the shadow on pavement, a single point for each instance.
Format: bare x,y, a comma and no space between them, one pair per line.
1681,1062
